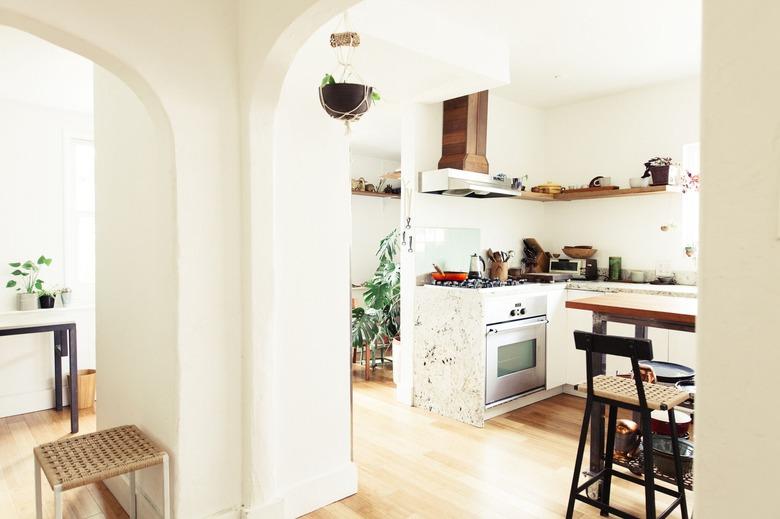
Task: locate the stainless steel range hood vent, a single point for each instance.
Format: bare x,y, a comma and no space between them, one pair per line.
456,182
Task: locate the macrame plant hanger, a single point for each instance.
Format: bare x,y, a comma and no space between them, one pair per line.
344,43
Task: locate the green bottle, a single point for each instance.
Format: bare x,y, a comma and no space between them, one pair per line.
614,268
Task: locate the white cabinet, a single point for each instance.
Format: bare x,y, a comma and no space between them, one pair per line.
668,345
557,346
682,348
659,337
576,320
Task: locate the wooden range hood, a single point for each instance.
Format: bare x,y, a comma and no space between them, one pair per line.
464,133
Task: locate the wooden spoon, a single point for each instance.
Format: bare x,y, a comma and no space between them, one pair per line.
439,270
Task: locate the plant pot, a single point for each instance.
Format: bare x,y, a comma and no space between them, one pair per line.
28,301
46,301
65,298
345,101
659,174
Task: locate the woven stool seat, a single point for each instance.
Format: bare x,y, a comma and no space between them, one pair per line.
81,460
624,390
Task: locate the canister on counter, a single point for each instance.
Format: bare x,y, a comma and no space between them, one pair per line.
614,268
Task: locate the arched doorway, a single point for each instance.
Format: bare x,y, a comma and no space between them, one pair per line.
135,240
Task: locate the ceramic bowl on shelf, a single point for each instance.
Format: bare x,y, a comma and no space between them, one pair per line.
639,182
579,252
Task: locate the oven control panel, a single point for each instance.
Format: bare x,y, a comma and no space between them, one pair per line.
499,309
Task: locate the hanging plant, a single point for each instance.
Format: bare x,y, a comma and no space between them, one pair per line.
346,100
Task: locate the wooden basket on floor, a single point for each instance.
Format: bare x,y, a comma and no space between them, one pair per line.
86,388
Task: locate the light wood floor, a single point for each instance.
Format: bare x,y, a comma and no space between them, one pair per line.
412,464
18,436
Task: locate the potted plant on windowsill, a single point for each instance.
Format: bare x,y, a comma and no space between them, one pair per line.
46,298
379,323
27,282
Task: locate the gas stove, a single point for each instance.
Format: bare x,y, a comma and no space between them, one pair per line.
479,283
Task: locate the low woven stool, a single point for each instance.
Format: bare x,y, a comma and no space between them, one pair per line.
80,460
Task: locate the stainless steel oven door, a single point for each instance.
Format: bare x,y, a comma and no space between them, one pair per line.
515,361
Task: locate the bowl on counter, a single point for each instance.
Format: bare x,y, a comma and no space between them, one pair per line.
579,251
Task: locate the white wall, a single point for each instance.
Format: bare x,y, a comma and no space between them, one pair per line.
137,273
312,290
515,147
613,136
33,127
184,69
372,218
736,380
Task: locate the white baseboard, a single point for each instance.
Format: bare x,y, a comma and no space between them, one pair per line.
273,509
120,487
522,401
320,491
569,390
21,403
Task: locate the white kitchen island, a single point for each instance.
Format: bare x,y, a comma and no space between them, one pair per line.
449,353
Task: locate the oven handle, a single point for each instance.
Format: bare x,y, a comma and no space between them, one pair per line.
516,325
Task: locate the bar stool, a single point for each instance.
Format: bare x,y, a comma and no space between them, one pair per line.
638,396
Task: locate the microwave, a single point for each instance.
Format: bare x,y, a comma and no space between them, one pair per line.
578,268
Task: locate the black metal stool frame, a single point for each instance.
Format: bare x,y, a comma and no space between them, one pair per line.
635,349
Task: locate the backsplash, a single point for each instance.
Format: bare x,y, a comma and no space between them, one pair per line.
449,248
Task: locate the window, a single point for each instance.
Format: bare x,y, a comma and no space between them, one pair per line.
80,218
690,204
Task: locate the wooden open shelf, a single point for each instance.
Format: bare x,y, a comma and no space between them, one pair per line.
586,195
376,195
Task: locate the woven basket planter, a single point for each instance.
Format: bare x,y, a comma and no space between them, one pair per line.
345,101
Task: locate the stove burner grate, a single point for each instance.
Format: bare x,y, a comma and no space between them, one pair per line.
479,283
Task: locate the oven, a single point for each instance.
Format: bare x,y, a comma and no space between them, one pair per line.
515,361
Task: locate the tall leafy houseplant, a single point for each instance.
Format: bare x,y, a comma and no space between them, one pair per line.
380,321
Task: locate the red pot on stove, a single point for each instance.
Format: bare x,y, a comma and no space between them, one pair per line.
659,423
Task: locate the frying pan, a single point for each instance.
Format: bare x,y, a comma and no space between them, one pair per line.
450,276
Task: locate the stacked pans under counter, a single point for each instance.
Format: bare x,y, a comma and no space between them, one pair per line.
628,450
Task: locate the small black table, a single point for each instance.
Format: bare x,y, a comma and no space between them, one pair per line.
65,345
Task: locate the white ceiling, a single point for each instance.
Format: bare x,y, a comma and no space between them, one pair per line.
563,51
36,72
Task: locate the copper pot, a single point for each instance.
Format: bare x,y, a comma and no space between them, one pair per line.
627,438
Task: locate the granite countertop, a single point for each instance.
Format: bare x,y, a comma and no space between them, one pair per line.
634,288
596,286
